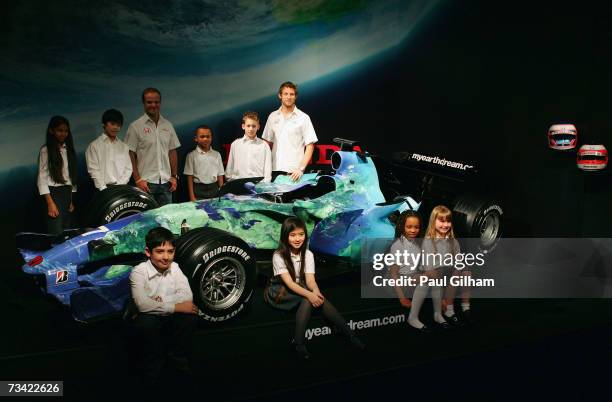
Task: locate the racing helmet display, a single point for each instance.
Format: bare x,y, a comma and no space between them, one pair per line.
562,136
592,157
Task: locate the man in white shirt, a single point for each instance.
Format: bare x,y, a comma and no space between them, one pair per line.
153,142
166,313
108,158
291,134
249,156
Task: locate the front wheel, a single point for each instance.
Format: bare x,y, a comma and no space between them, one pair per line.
221,271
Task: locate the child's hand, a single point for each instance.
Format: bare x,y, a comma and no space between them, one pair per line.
186,307
405,302
52,210
319,294
142,184
315,300
71,207
173,184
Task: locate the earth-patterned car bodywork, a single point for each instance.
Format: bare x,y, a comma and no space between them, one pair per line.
349,207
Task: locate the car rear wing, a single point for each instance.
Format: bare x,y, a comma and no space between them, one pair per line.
434,165
345,145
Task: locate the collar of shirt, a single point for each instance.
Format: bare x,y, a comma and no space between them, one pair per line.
106,138
153,272
245,138
295,111
404,239
200,151
148,119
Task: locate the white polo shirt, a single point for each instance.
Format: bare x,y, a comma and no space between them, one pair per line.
204,166
157,293
44,178
108,161
279,267
151,143
249,158
289,136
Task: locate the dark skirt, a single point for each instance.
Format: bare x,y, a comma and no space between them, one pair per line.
62,196
278,296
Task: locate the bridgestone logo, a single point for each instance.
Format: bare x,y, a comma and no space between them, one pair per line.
226,249
127,205
223,317
494,208
441,162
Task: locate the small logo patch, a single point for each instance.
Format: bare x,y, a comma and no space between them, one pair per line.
147,130
61,276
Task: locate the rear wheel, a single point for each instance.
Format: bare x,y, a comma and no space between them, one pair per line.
221,271
480,218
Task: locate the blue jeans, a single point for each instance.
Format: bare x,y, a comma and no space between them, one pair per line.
161,193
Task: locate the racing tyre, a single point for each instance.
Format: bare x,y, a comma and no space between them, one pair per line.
117,202
221,271
477,217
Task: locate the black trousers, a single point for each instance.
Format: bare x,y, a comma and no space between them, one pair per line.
156,336
204,191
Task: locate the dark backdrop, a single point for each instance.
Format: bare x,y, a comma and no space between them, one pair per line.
475,82
478,82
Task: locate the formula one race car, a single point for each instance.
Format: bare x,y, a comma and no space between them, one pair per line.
222,243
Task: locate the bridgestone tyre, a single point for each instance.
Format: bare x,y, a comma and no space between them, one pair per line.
221,271
117,202
477,217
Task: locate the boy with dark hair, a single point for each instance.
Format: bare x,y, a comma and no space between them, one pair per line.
249,156
108,158
166,313
203,167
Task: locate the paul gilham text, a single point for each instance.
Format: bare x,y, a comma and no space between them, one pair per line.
380,281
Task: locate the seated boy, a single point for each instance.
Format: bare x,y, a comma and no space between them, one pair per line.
108,158
249,156
203,167
166,314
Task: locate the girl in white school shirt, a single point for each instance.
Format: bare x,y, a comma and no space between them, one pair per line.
439,241
57,174
294,285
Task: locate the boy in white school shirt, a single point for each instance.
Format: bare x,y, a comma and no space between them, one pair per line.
249,156
166,314
203,167
108,158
